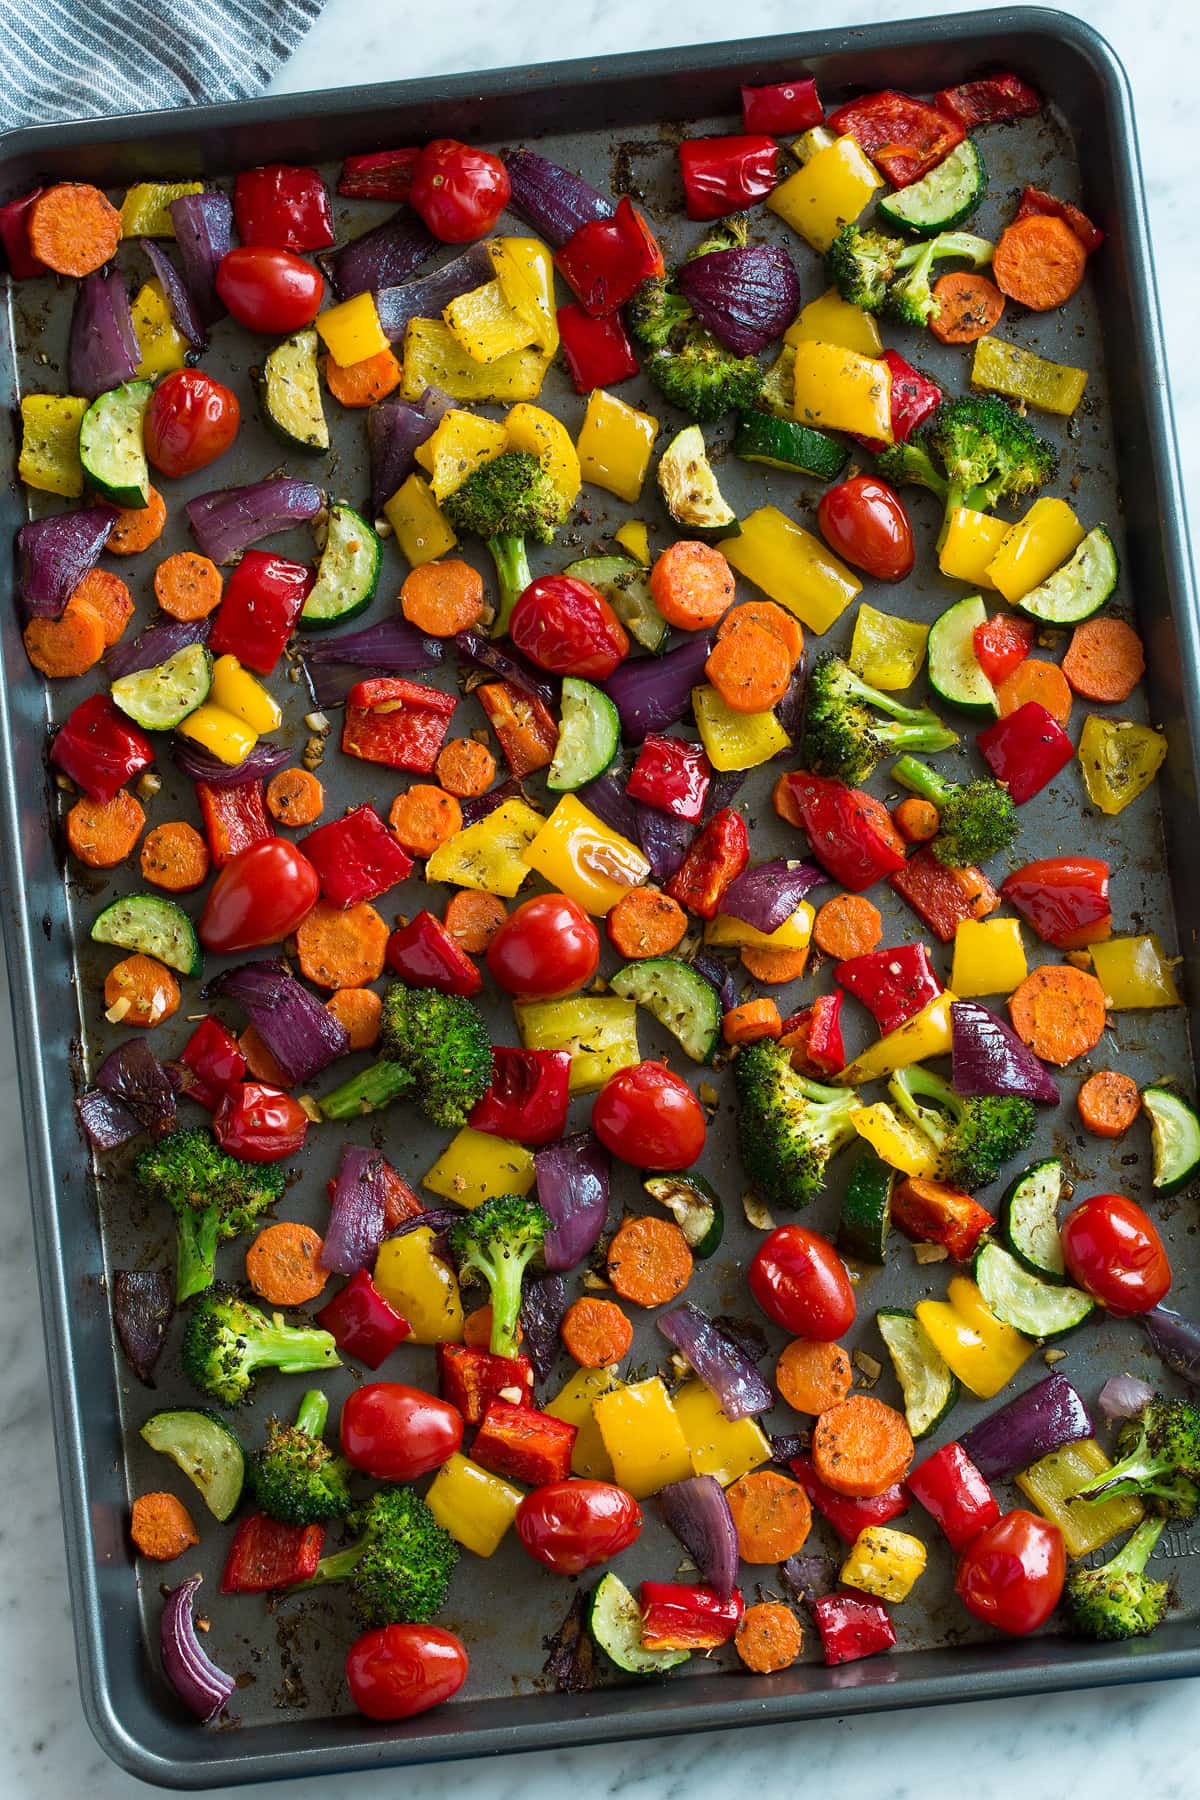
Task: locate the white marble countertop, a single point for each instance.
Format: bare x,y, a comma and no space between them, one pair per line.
1114,1742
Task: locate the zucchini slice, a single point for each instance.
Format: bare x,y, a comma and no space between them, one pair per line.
160,698
626,586
1029,1220
205,1449
110,445
155,926
866,1209
954,672
786,444
689,487
1175,1139
289,392
348,572
695,1207
614,1619
1080,588
944,198
680,1000
1023,1300
926,1381
589,736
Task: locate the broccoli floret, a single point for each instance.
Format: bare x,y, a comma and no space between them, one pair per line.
657,312
213,1195
1118,1601
497,1242
296,1477
1158,1460
687,364
910,296
509,501
977,819
844,738
988,451
399,1570
788,1127
974,1137
910,465
444,1043
226,1342
861,265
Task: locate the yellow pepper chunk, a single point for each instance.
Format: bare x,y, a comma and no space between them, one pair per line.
485,324
634,536
1134,973
433,357
489,856
422,530
734,740
970,541
50,444
1023,375
462,443
831,320
473,1505
1051,1482
538,432
161,345
525,271
794,934
839,390
145,210
828,192
926,1034
577,853
887,651
238,692
643,1437
897,1143
989,958
792,566
1034,547
422,1288
884,1562
574,1405
220,731
981,1350
477,1165
1119,759
726,1448
351,331
614,445
598,1032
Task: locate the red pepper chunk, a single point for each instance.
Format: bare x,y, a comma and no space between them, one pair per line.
606,260
522,1444
396,722
782,106
814,1037
266,1554
14,235
524,727
930,1212
904,138
597,352
849,1517
1064,898
851,833
528,1098
1026,750
892,984
912,398
262,601
284,207
99,749
471,1379
951,1489
356,857
851,1627
423,954
1001,644
717,857
724,175
213,1062
362,1323
380,175
943,898
234,818
1037,201
989,101
686,1616
671,775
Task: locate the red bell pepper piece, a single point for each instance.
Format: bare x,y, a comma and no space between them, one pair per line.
904,138
396,722
851,833
99,749
380,175
234,818
356,857
423,954
1026,750
724,175
1036,200
14,235
606,260
528,1098
283,206
782,106
951,1489
688,1616
597,352
892,984
851,1627
213,1062
362,1323
912,399
470,1379
672,775
523,1444
717,857
266,1554
399,1201
1064,898
941,897
988,101
262,601
814,1037
847,1516
929,1212
1002,643
524,727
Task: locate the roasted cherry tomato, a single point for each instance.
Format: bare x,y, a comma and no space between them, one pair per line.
563,625
269,290
259,897
1002,643
458,191
1113,1251
573,1525
396,1433
190,421
259,1123
800,1281
1012,1574
398,1671
649,1117
546,949
863,521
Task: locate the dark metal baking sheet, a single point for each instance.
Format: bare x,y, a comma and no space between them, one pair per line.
617,119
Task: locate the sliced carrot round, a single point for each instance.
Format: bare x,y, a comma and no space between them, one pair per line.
849,925
916,820
137,527
1039,262
473,919
771,1514
73,229
1035,680
968,307
295,797
443,598
861,1446
1058,1012
773,967
750,669
765,613
465,767
65,647
769,1637
596,1332
1108,1103
813,1376
692,584
102,833
341,947
283,1264
1104,661
359,1010
753,1020
175,857
424,817
649,1261
646,922
140,991
188,586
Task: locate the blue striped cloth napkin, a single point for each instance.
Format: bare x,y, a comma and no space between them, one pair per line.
69,59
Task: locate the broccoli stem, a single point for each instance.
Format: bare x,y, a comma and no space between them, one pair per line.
904,1087
313,1414
368,1091
512,572
340,1566
920,779
506,1305
290,1349
196,1251
1133,1556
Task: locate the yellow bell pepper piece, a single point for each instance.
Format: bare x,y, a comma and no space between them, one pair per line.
839,390
583,858
423,532
145,208
886,651
573,1404
989,958
473,1505
614,445
532,429
462,443
794,934
1134,973
238,692
162,348
486,325
489,856
726,1448
351,331
970,541
734,740
598,1032
220,731
792,566
525,270
832,320
884,1562
634,536
1119,759
50,444
1050,1483
477,1165
828,192
433,357
926,1034
981,1350
643,1437
1034,547
1022,375
897,1143
422,1288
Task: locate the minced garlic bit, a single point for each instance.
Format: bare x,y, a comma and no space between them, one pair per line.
1052,1356
118,1009
309,1108
868,1367
930,1253
317,721
756,1213
594,1281
148,785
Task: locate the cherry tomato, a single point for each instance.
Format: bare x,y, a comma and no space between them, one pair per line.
863,521
398,1671
396,1433
1001,644
546,949
190,421
573,1525
1114,1252
259,1123
259,897
269,290
1012,1574
649,1117
800,1281
458,191
564,625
